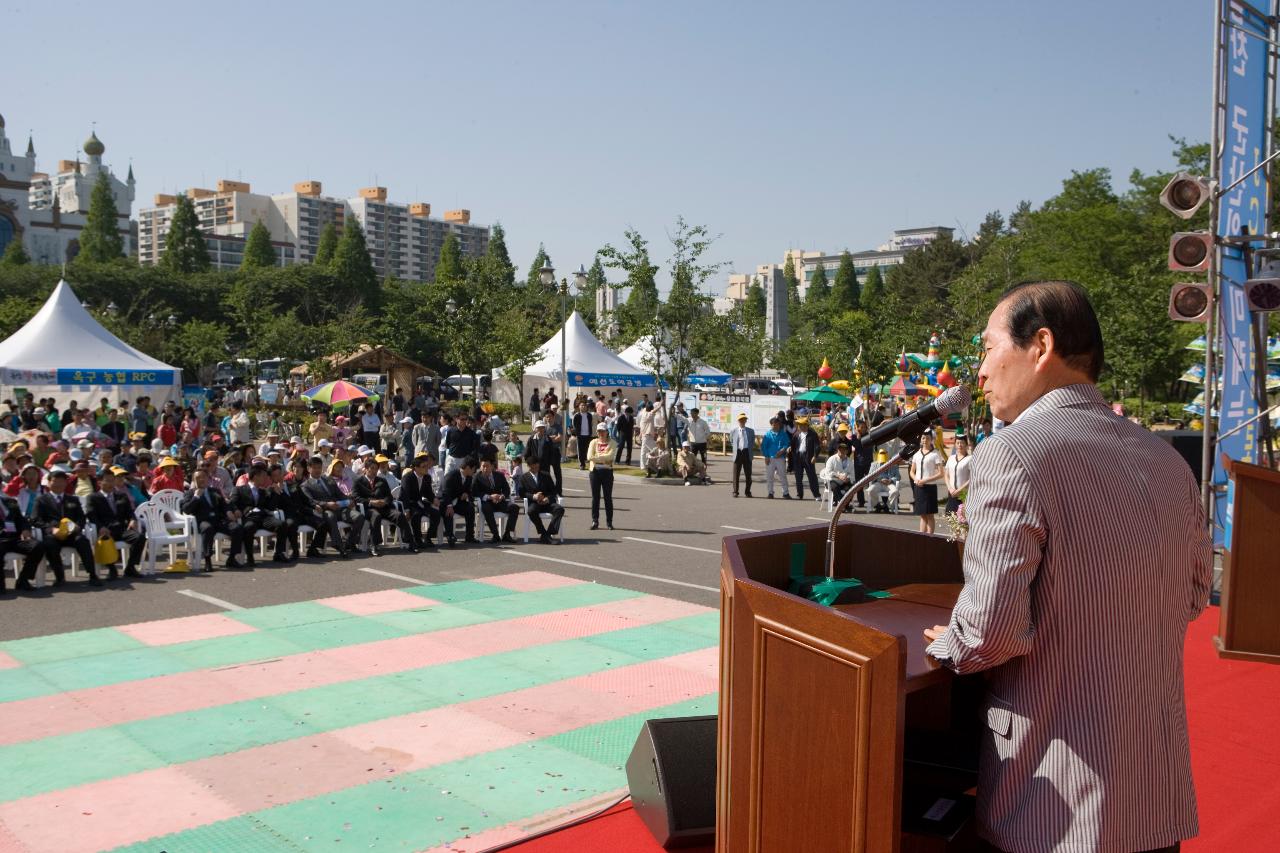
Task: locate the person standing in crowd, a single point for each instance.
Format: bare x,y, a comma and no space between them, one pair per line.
743,441
863,456
600,455
535,405
624,427
774,447
370,423
514,447
239,428
699,434
648,434
320,430
804,453
461,442
494,493
957,472
1086,744
554,450
582,432
926,472
538,487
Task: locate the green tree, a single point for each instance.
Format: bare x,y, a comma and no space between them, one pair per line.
100,238
185,250
846,294
327,247
873,289
819,291
533,281
258,252
755,306
789,273
497,254
196,346
449,268
677,320
15,254
352,264
636,315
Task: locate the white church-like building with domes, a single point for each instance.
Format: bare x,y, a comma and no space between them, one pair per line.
46,211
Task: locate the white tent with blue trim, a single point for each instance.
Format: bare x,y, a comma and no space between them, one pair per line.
62,352
641,355
590,365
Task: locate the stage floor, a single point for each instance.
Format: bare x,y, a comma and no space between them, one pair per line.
444,716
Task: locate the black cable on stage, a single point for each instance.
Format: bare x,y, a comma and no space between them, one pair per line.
577,821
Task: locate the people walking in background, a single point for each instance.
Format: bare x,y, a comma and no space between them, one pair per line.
804,453
624,427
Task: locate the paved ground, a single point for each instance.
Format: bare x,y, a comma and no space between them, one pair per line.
667,542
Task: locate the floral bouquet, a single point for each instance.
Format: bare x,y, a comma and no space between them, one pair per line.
957,521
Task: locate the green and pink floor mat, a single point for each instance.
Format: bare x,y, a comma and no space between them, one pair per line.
452,716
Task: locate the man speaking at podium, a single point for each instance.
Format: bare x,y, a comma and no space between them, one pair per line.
1075,607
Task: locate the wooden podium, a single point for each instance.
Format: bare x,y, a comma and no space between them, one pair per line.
830,716
1247,625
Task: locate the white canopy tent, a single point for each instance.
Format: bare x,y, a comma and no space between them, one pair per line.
641,355
589,364
63,352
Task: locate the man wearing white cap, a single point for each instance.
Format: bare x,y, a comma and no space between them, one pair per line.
743,441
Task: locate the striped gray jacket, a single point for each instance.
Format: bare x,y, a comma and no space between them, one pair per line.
1086,558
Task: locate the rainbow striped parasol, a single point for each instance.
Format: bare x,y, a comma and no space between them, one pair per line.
338,393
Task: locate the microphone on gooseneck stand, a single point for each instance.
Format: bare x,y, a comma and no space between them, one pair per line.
913,423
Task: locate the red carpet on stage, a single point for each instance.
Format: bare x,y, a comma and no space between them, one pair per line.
1233,709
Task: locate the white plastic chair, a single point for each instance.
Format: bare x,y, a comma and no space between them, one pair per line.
161,528
171,500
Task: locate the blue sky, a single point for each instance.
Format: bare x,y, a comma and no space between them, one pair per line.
815,125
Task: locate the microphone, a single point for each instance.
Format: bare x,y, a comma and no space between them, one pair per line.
910,425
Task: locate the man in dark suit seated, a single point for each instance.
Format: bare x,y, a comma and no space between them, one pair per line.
297,507
538,487
455,497
213,515
257,505
495,497
419,500
15,536
286,498
374,494
112,511
328,502
53,506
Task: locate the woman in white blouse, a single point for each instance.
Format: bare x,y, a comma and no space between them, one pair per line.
926,472
957,472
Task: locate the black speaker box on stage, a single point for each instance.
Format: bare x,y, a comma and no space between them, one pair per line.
1188,443
672,776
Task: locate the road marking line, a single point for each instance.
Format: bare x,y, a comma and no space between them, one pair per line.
670,544
616,571
567,489
744,529
209,599
415,581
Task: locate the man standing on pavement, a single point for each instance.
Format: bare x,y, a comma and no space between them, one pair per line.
699,434
774,448
1087,748
804,453
743,441
624,428
582,432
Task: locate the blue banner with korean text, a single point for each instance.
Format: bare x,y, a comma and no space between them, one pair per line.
1241,211
95,376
